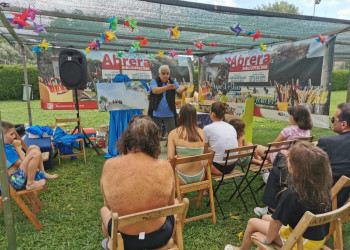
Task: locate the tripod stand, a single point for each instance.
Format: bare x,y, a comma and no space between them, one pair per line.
78,125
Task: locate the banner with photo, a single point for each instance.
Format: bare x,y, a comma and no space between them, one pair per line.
102,67
284,75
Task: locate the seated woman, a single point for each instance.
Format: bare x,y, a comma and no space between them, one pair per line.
187,139
220,136
301,122
308,190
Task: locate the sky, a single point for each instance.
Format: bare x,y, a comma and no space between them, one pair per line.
327,8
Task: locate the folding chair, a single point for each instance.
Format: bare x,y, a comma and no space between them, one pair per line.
81,141
307,138
31,196
178,209
310,220
45,155
236,174
197,186
271,148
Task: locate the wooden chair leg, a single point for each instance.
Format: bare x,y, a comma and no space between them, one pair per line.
32,203
37,200
26,210
199,199
212,206
59,156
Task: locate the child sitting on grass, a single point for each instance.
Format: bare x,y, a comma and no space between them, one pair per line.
308,190
23,168
239,126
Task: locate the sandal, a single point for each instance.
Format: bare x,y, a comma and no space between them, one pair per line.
230,247
104,244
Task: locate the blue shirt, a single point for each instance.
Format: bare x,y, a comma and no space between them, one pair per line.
163,107
11,155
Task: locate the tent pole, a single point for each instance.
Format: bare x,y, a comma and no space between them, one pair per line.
348,92
6,201
26,84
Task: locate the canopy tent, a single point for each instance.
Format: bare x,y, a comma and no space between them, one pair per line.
75,24
71,23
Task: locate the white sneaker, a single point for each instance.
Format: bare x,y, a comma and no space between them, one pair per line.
260,211
229,247
265,176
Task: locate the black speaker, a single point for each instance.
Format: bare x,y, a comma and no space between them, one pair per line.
72,66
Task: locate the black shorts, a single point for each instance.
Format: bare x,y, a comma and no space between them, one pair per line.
224,169
152,240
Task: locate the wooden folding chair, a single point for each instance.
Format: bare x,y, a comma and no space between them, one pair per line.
81,141
200,186
175,242
307,138
45,155
343,182
310,220
31,196
235,175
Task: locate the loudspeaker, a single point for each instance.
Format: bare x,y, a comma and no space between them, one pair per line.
72,67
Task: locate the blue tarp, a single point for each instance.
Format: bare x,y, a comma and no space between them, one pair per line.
66,141
38,130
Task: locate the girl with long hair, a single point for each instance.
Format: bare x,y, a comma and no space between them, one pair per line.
309,185
187,139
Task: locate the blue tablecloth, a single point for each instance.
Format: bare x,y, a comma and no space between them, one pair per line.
203,120
45,146
118,121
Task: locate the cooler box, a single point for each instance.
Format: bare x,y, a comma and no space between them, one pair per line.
45,146
90,132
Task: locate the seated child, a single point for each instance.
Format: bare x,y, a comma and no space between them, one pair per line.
239,125
23,168
308,190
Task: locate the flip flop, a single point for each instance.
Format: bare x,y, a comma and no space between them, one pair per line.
104,244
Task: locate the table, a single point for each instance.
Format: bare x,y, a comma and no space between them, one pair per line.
45,146
118,121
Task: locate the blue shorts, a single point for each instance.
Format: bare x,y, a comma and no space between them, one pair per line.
17,179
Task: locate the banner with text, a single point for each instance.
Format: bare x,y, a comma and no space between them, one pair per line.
284,75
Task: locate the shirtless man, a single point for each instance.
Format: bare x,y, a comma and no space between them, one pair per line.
138,181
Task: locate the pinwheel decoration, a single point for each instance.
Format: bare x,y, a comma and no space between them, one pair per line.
173,53
203,58
174,32
32,13
131,23
150,56
199,45
189,51
120,54
256,35
20,18
160,53
38,28
321,39
113,23
263,47
236,29
212,44
36,49
44,45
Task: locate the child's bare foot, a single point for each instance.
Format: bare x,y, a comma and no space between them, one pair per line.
51,176
35,184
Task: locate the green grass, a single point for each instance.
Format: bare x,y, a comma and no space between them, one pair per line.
71,213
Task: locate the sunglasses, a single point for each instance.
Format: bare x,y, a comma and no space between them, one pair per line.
334,120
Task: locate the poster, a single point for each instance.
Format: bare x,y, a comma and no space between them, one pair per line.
102,67
285,75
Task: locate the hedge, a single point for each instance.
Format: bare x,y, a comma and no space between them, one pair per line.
340,79
12,78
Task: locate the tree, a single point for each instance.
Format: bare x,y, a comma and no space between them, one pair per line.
10,55
281,7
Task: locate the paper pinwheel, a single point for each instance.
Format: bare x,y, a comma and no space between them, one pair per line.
236,29
113,23
150,56
263,47
20,51
256,35
160,53
132,23
174,33
103,36
173,53
87,50
110,36
189,51
98,44
36,49
250,33
120,54
203,58
32,13
228,59
199,45
143,40
321,39
20,18
213,44
132,50
136,46
44,44
92,45
38,28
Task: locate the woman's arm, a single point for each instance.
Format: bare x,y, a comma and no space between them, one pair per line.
171,145
279,138
206,148
273,231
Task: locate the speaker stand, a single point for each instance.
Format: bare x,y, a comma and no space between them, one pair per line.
77,127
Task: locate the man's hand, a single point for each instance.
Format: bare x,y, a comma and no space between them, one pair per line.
17,144
170,86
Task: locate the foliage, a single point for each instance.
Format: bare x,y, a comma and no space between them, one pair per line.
12,78
340,79
10,54
71,213
280,7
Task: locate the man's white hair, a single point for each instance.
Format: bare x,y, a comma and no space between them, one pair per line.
166,67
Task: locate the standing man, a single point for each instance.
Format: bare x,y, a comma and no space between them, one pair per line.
337,147
162,99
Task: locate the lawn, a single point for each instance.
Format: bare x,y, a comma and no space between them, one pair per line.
71,213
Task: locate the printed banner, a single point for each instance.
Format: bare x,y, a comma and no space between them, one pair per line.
283,75
102,67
